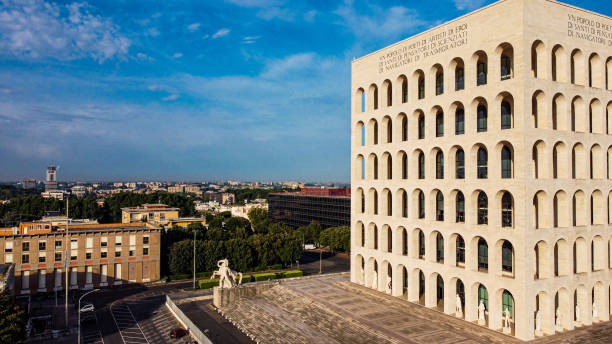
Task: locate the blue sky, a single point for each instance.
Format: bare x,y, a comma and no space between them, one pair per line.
192,90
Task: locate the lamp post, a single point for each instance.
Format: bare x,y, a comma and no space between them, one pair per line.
79,316
194,258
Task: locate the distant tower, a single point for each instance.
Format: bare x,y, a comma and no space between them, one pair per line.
51,180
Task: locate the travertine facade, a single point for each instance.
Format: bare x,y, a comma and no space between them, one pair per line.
480,154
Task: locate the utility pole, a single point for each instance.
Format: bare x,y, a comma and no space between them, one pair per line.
194,258
320,260
66,265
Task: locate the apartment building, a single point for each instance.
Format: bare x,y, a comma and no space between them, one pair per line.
154,213
481,155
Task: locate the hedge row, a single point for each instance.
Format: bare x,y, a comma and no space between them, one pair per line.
209,283
264,276
291,273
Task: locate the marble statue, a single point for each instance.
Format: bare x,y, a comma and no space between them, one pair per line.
558,317
389,286
481,311
458,308
375,280
506,318
594,310
227,276
538,321
577,314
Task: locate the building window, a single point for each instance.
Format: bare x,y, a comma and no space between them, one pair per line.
483,208
88,255
460,257
117,253
25,258
58,244
421,245
483,295
404,90
103,254
131,252
482,161
507,256
8,258
89,243
42,257
481,120
145,240
460,164
459,122
145,251
104,241
421,205
459,79
483,255
506,210
508,303
481,73
439,83
506,115
74,254
8,247
506,162
118,241
506,67
42,245
421,127
74,244
404,128
421,87
439,248
439,206
439,124
25,246
421,166
460,208
58,256
439,165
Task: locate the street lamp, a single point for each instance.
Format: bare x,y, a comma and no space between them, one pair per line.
194,257
79,316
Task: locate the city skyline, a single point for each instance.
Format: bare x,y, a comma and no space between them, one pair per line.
184,91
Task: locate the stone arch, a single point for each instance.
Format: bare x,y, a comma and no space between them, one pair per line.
505,153
387,125
560,161
372,132
372,167
480,155
596,71
560,118
579,162
386,204
538,60
360,205
418,248
601,301
372,98
559,64
577,68
419,77
582,304
436,241
481,62
540,210
504,259
359,270
439,120
401,282
435,293
539,118
386,278
480,203
541,261
458,111
562,264
598,208
478,254
505,200
479,293
402,127
387,89
561,210
360,235
402,240
419,165
564,307
506,60
437,162
578,115
457,250
419,117
418,199
401,167
580,254
458,67
436,202
599,254
456,162
372,275
359,102
387,164
417,291
438,73
455,288
359,136
359,167
539,161
372,236
479,107
401,201
544,305
402,86
457,206
506,117
372,204
597,120
506,302
579,210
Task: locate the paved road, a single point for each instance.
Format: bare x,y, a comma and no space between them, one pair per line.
309,263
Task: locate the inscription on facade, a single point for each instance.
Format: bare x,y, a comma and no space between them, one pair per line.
589,30
436,43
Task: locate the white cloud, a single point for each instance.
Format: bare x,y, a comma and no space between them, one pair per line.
177,55
153,32
221,33
468,4
37,30
278,68
144,57
250,39
255,3
276,13
193,27
171,97
379,22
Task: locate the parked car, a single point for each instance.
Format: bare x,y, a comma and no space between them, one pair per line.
177,332
88,307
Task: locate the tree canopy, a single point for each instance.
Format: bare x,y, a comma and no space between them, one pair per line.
13,320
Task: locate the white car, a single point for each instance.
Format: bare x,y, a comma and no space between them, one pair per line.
88,307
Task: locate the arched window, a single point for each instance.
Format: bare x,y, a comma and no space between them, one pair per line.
483,208
404,90
404,204
460,164
459,79
460,207
439,206
483,295
389,94
421,86
362,235
362,196
421,165
404,166
389,203
506,67
482,163
439,83
483,255
439,248
421,205
460,251
421,244
506,206
439,124
459,122
481,73
508,303
506,115
481,121
404,128
375,237
421,127
389,240
506,162
439,165
404,242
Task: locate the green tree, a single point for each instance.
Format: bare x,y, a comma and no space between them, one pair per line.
13,320
259,220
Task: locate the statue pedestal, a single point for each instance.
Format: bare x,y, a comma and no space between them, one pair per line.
558,328
459,315
507,330
538,333
482,322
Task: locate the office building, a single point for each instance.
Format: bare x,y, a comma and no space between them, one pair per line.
154,213
298,209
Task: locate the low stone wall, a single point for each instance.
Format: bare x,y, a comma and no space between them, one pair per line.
223,297
193,329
